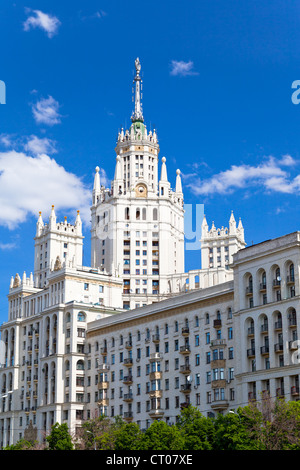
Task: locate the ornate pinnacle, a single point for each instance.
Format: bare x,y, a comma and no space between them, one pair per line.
137,115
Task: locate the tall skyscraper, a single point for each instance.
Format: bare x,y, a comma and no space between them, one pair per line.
137,228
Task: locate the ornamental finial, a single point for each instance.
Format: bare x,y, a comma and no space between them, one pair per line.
137,115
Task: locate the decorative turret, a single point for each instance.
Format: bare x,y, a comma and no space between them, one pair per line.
164,185
96,188
178,188
232,224
52,219
78,224
39,225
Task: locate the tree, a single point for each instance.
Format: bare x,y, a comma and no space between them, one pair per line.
234,431
129,437
161,436
276,424
59,438
100,433
196,430
22,444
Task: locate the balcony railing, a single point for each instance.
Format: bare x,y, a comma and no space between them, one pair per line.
249,290
264,350
290,279
186,387
278,347
185,349
251,352
264,328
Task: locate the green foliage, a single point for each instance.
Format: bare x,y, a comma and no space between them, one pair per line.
59,438
22,444
101,433
161,436
263,425
129,437
233,432
196,430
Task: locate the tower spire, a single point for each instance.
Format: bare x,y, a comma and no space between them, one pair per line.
137,115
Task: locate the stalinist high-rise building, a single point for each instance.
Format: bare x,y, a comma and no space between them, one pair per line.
137,228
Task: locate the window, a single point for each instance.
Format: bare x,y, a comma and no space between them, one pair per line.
81,332
81,316
86,286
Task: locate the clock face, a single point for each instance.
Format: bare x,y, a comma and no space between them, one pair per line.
141,190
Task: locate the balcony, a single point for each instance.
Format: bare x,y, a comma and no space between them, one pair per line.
185,369
249,290
278,325
251,331
278,347
217,323
185,349
103,385
103,367
264,328
290,280
128,344
128,379
280,392
128,361
186,388
128,415
276,283
295,390
158,413
155,393
264,350
157,375
292,321
128,396
155,356
103,351
185,331
293,344
251,396
262,287
103,402
251,352
219,405
155,338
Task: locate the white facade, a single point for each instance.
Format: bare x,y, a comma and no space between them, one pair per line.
267,319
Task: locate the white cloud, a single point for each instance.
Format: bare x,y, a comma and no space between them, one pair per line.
7,246
38,146
268,176
44,21
182,68
32,184
45,111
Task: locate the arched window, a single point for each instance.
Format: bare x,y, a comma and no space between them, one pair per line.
138,214
144,213
81,316
126,213
80,365
154,214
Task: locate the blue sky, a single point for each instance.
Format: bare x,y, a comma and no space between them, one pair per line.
217,87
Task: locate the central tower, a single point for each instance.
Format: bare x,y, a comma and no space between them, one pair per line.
138,223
